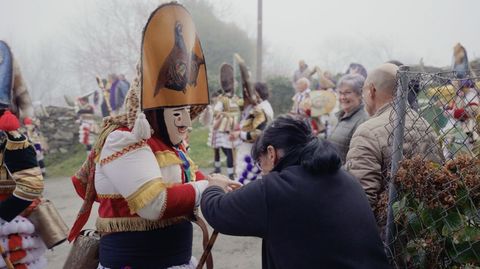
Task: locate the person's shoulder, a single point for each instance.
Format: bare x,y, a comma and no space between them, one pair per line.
371,129
120,140
287,174
365,127
374,124
362,113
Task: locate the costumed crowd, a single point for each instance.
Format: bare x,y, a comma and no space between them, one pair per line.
307,183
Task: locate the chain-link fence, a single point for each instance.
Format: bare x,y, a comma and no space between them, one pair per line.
432,202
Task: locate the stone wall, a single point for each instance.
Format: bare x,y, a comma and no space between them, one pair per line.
60,128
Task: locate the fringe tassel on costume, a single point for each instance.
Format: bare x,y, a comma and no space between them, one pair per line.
145,195
111,225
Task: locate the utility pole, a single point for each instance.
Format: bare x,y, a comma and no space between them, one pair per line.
259,40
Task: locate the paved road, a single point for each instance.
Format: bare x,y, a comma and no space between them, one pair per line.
228,251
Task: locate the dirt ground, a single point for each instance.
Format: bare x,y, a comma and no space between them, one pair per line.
228,251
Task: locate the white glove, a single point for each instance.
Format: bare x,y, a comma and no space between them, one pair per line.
199,187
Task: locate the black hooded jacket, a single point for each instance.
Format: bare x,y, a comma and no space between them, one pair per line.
305,220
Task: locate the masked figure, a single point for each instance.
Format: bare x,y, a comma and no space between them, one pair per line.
104,86
226,113
33,133
139,170
21,181
461,107
87,129
256,114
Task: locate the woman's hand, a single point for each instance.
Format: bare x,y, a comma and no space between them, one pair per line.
234,135
223,182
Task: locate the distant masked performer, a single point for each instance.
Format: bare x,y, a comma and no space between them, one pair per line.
87,129
104,86
462,106
139,171
226,113
21,181
256,114
33,133
302,103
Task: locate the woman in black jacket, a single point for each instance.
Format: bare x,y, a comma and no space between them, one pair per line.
309,212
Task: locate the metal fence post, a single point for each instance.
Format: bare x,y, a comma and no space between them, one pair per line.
400,107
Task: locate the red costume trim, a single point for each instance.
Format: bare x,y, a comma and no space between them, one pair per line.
114,208
79,187
14,242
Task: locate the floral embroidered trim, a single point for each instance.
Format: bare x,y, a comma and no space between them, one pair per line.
124,151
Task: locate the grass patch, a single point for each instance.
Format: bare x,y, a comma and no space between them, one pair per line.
200,152
65,164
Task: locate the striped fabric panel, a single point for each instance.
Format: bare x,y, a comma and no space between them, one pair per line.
29,183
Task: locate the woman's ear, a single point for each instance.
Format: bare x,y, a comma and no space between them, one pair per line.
272,154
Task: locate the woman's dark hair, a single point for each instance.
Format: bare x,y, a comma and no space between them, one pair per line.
156,119
300,146
262,90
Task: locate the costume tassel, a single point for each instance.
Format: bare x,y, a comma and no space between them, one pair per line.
9,122
141,129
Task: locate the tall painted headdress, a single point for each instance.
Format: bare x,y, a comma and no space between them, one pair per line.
227,77
173,71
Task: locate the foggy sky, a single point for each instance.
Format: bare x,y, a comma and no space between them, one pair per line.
412,29
330,34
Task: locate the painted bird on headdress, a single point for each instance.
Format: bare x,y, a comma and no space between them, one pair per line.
180,67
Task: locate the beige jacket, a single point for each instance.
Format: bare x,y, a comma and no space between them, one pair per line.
21,101
370,153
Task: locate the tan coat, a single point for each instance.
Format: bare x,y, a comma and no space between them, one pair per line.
21,101
370,153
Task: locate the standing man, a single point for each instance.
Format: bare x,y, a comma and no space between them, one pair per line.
302,72
118,92
370,154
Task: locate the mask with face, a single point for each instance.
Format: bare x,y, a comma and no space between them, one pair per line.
170,124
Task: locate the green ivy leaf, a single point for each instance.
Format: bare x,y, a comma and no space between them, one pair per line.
414,223
467,252
399,208
453,222
469,233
